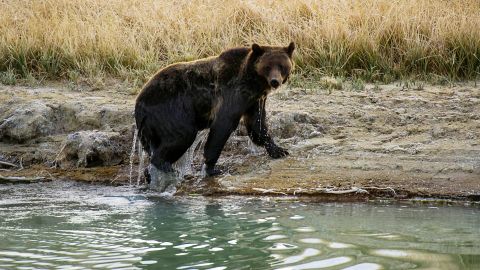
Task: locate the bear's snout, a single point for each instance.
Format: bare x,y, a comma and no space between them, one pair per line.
275,78
274,83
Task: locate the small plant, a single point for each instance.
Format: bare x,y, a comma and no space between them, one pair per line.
371,41
8,77
411,84
73,75
358,85
419,85
440,80
331,83
376,87
32,80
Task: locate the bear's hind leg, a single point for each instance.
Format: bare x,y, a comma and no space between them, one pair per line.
166,154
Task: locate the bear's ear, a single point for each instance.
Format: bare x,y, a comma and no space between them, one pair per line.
290,49
256,49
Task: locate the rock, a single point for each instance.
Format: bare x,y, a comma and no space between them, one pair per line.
437,132
289,124
315,134
85,118
113,116
94,148
38,119
31,120
283,125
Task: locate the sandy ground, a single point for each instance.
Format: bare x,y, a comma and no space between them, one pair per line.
384,141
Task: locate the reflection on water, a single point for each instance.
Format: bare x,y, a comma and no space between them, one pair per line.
79,226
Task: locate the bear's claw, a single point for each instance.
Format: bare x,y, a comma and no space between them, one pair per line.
213,171
277,152
146,173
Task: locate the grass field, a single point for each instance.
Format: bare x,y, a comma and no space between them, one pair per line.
131,39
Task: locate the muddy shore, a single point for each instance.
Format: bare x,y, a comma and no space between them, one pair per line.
383,141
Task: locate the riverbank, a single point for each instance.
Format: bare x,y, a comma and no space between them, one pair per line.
397,141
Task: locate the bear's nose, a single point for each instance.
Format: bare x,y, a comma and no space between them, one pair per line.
274,83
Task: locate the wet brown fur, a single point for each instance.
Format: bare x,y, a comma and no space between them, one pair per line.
215,92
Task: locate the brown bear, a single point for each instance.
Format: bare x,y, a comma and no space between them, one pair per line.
216,93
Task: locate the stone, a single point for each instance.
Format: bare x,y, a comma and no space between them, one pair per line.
31,120
94,148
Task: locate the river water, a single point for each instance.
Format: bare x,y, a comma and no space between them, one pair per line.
68,225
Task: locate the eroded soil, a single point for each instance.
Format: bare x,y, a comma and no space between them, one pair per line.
387,140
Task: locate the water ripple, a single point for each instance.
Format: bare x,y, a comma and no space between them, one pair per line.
319,264
106,227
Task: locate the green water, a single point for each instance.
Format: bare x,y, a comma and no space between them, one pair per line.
69,225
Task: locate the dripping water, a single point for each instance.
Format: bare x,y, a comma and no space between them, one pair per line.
162,181
136,145
132,153
260,115
166,182
253,148
184,165
141,159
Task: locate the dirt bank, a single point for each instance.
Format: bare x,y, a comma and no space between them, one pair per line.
385,140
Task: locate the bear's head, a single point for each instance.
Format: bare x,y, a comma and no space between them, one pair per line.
274,64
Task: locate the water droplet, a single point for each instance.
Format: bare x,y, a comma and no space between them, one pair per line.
282,246
153,249
339,245
195,265
309,252
389,237
148,262
364,266
390,253
274,237
218,268
184,246
201,246
273,229
312,241
319,264
304,229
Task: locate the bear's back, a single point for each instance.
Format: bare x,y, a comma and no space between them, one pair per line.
190,77
232,60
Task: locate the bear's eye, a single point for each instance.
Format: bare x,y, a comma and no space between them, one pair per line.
268,68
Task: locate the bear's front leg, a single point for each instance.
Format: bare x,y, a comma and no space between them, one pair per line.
257,128
219,133
275,151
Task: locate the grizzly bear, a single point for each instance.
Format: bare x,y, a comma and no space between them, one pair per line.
216,93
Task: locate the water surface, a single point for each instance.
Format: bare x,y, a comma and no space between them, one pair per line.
78,226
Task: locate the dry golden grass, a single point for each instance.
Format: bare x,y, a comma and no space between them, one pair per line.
133,38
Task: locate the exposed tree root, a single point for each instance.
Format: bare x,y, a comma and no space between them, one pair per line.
21,180
8,164
379,188
269,191
329,190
